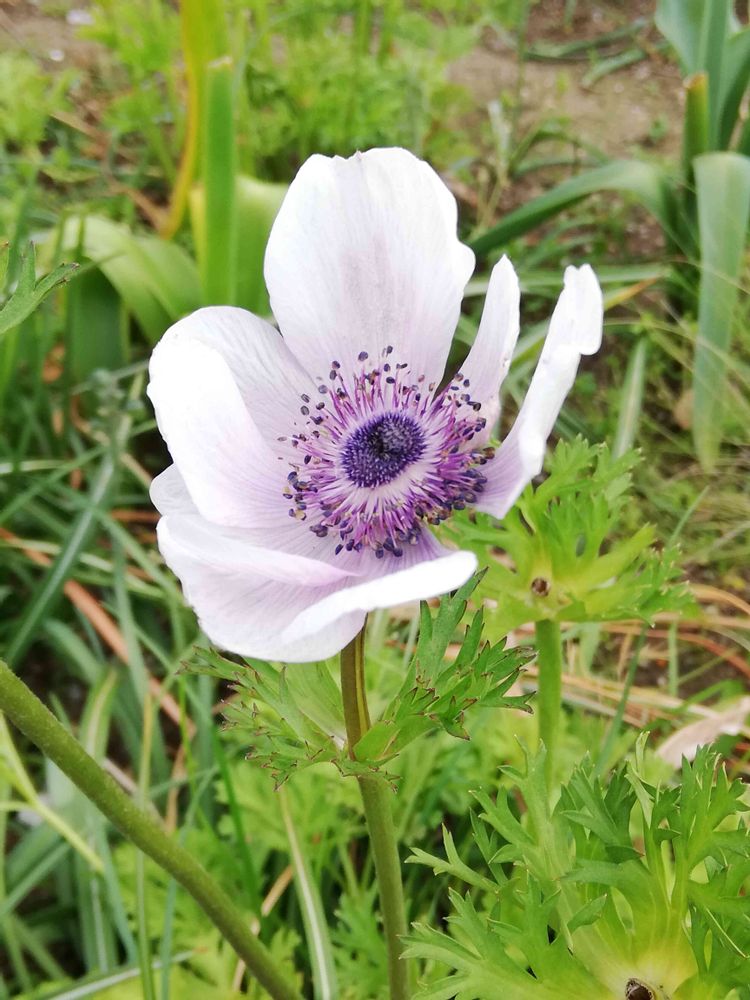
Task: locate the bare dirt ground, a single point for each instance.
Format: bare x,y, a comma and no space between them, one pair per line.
631,107
49,33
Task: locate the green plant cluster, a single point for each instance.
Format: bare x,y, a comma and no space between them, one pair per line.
623,885
292,719
561,554
28,97
328,77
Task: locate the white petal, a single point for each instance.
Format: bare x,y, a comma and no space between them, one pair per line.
245,610
169,494
364,255
261,602
217,448
490,356
437,571
269,377
233,551
271,524
575,329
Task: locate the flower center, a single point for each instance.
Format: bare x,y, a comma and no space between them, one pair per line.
381,452
377,452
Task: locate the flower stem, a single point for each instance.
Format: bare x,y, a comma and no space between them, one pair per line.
378,809
549,697
33,719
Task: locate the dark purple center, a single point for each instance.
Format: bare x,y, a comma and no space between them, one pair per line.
379,450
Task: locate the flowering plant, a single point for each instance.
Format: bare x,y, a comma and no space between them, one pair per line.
309,465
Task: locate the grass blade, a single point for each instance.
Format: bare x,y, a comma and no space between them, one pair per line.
97,937
101,488
631,399
646,181
218,246
316,928
144,946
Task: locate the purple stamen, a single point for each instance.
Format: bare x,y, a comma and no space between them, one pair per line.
386,455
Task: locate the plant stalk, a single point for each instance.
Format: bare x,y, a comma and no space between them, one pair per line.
36,721
378,809
549,696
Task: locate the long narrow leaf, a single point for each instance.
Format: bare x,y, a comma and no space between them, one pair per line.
735,78
219,257
645,181
723,194
97,937
680,23
631,399
316,929
157,281
714,29
203,29
49,590
96,326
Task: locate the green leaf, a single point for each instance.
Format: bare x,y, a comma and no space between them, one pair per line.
29,293
704,34
311,904
566,559
631,399
723,194
588,914
647,182
255,204
292,717
734,83
96,326
670,888
157,281
219,264
680,22
47,593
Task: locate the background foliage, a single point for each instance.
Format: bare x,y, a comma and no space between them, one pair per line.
144,149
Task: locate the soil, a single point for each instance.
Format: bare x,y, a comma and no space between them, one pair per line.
647,95
589,115
50,34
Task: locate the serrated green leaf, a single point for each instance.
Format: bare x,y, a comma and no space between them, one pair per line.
30,293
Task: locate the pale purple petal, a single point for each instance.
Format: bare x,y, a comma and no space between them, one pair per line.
425,570
246,611
363,255
490,356
268,376
217,448
269,525
237,551
169,494
575,329
261,602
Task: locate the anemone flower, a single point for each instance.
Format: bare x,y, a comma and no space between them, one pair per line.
310,464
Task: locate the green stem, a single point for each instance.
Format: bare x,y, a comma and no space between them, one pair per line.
33,719
378,809
549,696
